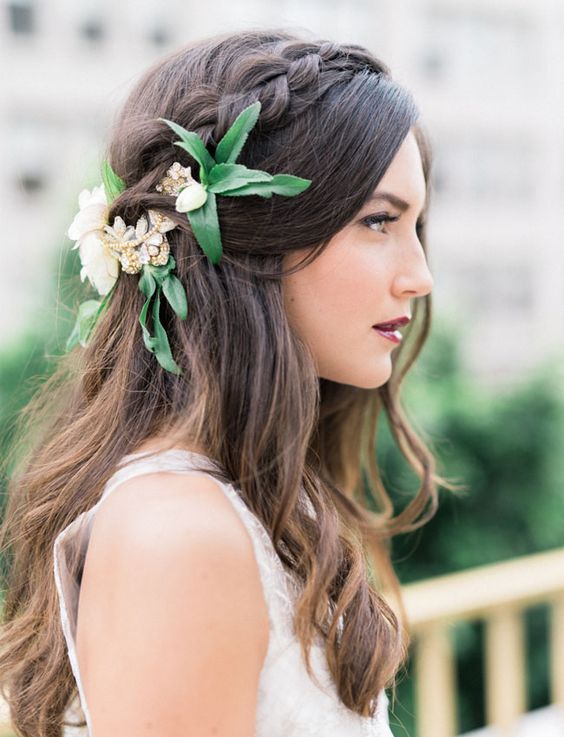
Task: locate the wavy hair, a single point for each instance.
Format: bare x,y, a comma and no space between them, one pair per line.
249,393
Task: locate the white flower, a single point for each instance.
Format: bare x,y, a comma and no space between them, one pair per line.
93,213
191,197
98,264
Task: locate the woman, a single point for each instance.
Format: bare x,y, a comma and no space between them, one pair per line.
203,488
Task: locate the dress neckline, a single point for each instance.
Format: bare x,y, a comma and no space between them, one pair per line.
183,452
166,450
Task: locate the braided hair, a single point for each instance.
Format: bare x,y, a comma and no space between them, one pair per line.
249,393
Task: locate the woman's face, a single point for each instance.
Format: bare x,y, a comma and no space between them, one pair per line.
369,274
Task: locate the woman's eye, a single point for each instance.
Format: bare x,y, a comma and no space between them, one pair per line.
379,220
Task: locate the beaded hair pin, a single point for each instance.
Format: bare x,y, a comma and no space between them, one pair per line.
106,250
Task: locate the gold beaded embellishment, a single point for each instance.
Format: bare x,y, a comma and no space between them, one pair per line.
144,244
177,176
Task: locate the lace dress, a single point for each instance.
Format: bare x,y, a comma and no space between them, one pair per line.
289,703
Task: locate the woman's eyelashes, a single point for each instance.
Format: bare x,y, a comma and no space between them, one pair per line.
379,220
382,218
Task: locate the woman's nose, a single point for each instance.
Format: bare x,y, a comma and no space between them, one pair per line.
413,275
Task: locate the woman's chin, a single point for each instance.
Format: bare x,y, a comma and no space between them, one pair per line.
371,377
376,375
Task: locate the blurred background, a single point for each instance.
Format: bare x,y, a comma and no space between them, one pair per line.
484,581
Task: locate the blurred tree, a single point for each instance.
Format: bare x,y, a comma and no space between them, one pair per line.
505,447
30,359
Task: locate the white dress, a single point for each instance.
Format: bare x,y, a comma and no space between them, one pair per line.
289,703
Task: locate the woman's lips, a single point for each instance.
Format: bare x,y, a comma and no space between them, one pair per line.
394,335
389,331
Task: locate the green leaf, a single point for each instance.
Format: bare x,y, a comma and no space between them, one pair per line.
147,283
229,148
161,272
86,319
224,177
72,340
113,185
151,343
157,344
283,184
162,346
147,339
205,226
176,295
87,313
188,147
193,144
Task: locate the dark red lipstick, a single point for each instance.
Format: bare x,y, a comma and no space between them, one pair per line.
389,329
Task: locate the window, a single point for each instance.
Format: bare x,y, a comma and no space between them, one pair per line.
31,182
484,166
92,29
159,36
21,17
497,289
34,147
475,48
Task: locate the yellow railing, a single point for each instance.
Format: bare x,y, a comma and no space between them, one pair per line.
5,728
497,594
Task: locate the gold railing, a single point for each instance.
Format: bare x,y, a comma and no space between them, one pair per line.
497,594
5,728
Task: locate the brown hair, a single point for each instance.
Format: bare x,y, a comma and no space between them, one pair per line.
249,393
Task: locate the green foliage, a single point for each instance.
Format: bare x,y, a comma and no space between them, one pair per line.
194,145
113,184
505,447
154,281
230,146
283,184
221,175
29,359
224,177
205,226
88,314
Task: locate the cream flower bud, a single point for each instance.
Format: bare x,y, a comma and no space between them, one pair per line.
191,197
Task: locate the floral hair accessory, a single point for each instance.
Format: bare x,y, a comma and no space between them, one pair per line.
219,174
105,250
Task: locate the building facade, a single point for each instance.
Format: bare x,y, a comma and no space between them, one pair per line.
487,77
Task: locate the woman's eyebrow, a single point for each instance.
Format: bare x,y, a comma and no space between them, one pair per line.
393,200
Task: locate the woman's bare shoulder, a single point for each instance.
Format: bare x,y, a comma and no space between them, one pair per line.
173,516
171,584
164,501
